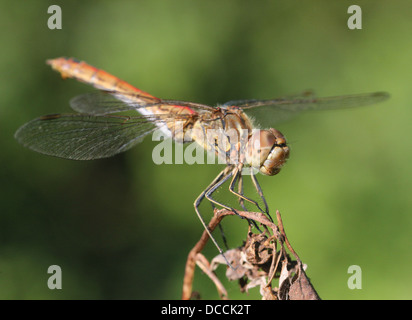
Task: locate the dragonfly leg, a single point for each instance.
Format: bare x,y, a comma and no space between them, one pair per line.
242,202
224,174
260,192
240,191
238,175
213,187
222,232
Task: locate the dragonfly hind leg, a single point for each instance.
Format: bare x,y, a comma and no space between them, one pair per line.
223,175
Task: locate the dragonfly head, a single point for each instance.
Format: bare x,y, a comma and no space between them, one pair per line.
267,151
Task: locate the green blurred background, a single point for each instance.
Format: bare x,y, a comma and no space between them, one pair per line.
121,228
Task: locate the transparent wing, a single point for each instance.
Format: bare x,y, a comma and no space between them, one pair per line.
278,110
108,102
84,137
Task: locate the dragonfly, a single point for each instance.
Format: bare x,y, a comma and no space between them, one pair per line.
99,129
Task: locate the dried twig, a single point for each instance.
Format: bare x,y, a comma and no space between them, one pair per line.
257,262
204,265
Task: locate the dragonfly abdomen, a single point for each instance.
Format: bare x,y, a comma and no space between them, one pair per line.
100,79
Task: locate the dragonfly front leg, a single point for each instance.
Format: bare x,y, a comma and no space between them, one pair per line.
260,192
240,191
242,202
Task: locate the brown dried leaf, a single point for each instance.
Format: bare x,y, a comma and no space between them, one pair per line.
302,289
256,281
284,281
257,250
234,256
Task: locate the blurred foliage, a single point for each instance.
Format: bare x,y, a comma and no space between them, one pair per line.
122,227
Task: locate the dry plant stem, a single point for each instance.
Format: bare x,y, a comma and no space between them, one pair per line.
214,222
282,230
273,267
191,259
204,265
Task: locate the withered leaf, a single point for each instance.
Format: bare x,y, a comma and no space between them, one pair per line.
302,289
234,256
257,250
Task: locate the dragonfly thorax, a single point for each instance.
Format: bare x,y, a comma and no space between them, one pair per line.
267,151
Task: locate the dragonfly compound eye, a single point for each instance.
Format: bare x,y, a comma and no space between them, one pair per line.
267,151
